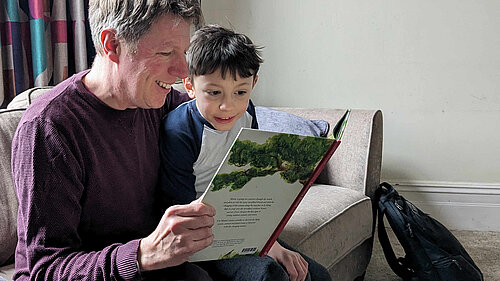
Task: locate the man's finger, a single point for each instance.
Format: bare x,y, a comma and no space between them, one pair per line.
200,242
194,209
201,233
182,224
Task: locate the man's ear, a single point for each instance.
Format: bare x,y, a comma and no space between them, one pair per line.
110,44
255,81
189,87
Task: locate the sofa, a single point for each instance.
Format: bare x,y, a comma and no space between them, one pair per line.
333,223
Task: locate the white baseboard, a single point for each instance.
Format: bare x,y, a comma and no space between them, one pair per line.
459,206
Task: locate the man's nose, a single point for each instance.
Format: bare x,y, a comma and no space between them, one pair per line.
179,68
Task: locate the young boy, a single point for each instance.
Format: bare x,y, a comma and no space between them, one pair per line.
222,72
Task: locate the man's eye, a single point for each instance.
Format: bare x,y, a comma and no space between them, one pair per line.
241,93
166,54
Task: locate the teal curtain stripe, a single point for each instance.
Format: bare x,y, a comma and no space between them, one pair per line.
13,10
38,47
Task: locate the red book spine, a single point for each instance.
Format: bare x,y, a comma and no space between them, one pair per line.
299,197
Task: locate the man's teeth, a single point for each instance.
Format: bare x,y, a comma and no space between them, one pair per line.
163,84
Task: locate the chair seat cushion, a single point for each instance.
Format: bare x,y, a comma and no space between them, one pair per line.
326,214
7,272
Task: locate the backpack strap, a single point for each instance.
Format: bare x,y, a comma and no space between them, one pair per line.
397,264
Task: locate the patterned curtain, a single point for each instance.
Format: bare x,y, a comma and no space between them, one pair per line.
42,43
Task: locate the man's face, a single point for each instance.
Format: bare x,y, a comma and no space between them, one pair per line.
222,101
147,73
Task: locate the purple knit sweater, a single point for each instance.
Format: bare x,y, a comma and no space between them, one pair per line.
85,176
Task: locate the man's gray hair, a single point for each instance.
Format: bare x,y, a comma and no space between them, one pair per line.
133,18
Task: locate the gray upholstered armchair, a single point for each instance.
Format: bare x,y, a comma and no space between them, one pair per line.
333,224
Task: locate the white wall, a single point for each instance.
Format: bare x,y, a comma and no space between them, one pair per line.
433,67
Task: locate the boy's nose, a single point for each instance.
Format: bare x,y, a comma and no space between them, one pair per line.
226,103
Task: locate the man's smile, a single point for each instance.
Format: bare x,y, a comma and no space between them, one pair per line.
163,84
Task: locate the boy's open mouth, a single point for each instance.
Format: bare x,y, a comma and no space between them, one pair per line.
224,120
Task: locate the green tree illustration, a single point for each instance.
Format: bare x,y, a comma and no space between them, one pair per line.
290,155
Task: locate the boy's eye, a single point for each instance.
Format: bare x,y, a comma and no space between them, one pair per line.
241,93
213,93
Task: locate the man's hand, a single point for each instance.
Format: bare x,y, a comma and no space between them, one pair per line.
294,263
182,231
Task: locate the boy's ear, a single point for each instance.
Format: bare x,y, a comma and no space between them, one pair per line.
189,87
255,80
110,44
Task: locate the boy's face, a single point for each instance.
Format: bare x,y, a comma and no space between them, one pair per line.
221,101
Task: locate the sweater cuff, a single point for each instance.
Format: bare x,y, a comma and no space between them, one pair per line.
126,261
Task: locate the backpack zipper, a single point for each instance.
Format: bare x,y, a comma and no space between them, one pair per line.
456,262
445,262
410,231
398,206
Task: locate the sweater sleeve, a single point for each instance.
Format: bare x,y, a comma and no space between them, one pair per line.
48,180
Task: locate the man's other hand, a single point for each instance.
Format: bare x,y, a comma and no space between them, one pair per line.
182,231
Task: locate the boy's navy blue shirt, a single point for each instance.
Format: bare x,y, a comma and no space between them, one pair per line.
191,150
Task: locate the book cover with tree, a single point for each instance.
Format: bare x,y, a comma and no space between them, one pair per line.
259,179
258,186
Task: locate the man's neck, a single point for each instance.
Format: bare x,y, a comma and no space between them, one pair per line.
103,84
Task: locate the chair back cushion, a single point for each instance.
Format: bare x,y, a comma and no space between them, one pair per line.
9,118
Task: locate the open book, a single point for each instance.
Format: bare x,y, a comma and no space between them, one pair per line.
258,186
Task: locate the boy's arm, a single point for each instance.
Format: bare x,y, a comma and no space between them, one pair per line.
251,110
294,263
178,154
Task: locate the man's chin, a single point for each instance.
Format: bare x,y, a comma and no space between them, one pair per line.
156,103
153,105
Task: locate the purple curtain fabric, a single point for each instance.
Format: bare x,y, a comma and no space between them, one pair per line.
42,43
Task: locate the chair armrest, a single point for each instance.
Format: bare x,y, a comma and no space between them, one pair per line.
9,118
357,162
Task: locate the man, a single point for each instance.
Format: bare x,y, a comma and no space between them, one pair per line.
85,157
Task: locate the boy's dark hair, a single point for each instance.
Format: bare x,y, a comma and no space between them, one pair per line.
215,47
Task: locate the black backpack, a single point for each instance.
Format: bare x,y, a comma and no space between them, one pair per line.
432,252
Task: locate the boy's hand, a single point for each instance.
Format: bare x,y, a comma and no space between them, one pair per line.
294,263
182,231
